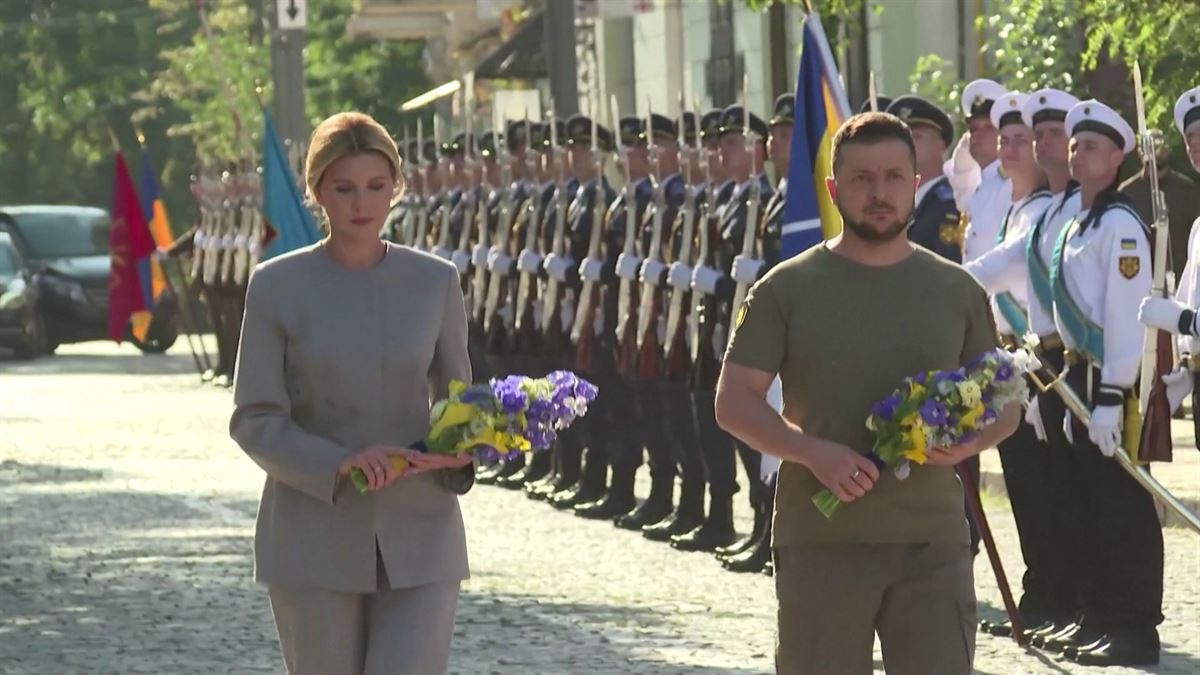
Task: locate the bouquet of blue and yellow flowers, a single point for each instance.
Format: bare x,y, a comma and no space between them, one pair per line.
501,418
940,409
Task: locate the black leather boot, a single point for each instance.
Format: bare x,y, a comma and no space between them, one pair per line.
618,501
656,507
688,515
717,530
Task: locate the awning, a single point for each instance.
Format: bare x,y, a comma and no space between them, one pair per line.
521,57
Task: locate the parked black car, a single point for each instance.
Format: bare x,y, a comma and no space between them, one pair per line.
21,326
67,247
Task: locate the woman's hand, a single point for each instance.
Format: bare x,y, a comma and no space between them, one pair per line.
376,464
938,456
420,462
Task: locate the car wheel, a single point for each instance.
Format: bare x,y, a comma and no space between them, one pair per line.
35,339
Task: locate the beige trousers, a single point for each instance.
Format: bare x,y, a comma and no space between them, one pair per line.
920,599
404,631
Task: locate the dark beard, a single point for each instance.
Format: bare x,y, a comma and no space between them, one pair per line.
870,234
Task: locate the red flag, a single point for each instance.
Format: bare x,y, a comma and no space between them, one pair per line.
130,247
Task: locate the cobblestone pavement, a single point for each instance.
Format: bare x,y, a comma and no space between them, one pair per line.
125,532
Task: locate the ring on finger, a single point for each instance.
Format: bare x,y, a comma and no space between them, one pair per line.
856,473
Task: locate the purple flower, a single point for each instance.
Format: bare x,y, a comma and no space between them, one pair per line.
988,417
1004,372
886,409
487,454
508,392
934,413
920,378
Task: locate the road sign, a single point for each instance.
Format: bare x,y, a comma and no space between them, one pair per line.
292,14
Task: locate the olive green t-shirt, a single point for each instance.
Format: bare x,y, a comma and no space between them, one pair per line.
842,336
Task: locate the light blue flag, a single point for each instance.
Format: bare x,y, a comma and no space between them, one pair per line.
283,207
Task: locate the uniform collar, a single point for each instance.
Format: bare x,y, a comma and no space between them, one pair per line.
926,188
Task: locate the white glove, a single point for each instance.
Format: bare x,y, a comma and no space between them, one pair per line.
1033,417
239,242
1179,385
479,255
441,252
461,260
1162,313
590,269
652,271
255,247
529,261
1105,430
627,266
212,243
961,158
498,261
198,240
704,279
557,266
679,276
745,270
227,242
160,255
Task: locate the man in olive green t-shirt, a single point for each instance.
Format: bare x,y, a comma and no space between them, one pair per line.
842,325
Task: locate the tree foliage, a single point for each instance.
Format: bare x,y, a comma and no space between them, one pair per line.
1085,48
72,77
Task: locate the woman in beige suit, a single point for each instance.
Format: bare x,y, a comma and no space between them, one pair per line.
344,345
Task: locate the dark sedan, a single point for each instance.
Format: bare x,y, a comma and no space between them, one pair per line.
21,327
67,246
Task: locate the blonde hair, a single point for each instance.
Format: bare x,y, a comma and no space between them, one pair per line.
346,134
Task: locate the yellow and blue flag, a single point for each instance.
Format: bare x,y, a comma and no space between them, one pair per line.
155,214
283,208
809,214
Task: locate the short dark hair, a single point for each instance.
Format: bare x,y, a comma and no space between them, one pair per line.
870,128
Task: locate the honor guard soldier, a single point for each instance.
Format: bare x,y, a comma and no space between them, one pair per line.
882,103
1178,315
752,553
588,146
742,145
1050,582
614,357
935,222
681,249
666,189
711,196
1100,274
981,190
558,309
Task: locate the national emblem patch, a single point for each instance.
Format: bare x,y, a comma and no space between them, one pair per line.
1129,266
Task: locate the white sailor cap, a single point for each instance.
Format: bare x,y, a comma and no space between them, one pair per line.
1092,115
1007,109
1187,109
1047,105
978,96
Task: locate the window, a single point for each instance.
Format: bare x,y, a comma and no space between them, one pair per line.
64,234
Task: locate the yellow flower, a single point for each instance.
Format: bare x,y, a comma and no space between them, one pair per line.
915,432
971,416
915,456
456,387
456,413
915,390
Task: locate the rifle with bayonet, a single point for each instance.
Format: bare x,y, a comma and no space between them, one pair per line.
1154,444
675,343
442,248
702,316
750,241
525,328
422,230
498,270
626,287
650,295
551,321
583,329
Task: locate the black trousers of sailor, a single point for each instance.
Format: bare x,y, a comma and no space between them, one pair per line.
1119,536
1050,542
653,415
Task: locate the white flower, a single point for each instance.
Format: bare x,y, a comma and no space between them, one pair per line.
970,392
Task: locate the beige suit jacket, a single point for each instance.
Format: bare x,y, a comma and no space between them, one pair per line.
330,362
